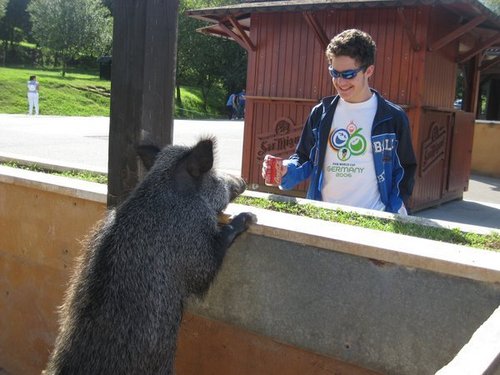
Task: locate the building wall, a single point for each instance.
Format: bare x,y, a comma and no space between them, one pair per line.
440,73
485,157
291,63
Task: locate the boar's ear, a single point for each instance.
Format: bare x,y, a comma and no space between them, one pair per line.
201,158
148,154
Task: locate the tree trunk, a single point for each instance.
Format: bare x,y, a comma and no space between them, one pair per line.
178,98
4,57
204,94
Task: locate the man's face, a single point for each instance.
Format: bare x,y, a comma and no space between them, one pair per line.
354,90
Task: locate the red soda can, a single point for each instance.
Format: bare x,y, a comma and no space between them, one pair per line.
273,170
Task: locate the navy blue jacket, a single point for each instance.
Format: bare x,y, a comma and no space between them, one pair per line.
393,155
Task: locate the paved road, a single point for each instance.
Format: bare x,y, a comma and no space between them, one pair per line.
82,142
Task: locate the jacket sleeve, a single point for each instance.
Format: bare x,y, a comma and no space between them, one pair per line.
407,160
300,164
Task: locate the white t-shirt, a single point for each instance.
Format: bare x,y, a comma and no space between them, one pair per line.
32,86
348,171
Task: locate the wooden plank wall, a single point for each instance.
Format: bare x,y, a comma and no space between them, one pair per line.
443,178
445,156
440,67
461,153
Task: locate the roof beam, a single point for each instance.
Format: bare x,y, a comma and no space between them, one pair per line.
489,64
235,36
440,43
411,35
317,29
242,33
473,52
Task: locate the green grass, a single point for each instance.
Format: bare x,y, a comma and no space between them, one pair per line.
27,45
192,104
100,178
68,96
454,236
84,94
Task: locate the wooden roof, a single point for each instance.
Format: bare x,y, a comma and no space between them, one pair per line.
233,21
462,7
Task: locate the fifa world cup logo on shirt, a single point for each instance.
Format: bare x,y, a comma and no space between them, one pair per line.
348,142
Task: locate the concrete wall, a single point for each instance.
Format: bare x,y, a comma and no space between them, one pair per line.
42,220
485,155
295,296
351,294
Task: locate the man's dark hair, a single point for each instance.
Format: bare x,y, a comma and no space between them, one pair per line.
355,44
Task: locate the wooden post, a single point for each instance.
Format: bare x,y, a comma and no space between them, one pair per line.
142,87
471,97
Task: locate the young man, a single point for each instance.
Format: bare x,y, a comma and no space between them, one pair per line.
356,146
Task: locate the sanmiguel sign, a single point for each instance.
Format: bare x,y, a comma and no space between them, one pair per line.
434,147
281,142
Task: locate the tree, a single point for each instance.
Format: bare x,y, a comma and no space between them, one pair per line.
206,61
71,27
3,5
493,5
14,26
108,4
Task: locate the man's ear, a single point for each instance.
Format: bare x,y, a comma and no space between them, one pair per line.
369,71
148,154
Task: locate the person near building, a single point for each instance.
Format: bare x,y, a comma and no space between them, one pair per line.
241,104
231,106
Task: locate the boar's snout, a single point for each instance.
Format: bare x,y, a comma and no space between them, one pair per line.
236,186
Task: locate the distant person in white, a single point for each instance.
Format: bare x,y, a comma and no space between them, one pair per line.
33,95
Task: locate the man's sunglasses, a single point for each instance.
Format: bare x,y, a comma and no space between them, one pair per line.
346,74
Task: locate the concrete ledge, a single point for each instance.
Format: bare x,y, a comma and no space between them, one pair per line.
57,184
380,214
388,247
300,282
481,355
50,165
487,122
461,261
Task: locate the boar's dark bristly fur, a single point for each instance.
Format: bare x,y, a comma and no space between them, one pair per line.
122,311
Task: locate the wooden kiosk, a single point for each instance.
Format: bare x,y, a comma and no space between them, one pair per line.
420,47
